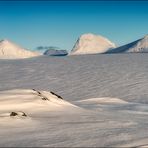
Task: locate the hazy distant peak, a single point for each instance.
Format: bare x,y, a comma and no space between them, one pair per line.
54,52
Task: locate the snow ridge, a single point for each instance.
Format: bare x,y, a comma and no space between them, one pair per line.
138,46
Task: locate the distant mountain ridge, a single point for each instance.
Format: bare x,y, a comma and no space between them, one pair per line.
138,46
54,52
86,44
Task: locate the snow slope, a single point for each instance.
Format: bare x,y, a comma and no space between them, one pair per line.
138,46
91,44
11,50
105,103
54,122
29,99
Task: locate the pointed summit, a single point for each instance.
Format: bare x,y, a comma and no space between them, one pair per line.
11,50
146,36
91,44
4,40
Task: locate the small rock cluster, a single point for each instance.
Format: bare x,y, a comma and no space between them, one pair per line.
12,114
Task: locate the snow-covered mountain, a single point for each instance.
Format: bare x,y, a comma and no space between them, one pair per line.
137,46
54,52
91,44
11,50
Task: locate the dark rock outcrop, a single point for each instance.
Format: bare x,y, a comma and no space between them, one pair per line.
40,94
56,95
12,114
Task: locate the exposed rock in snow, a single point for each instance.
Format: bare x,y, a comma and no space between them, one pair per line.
11,50
91,44
140,45
12,114
54,52
21,101
41,95
56,95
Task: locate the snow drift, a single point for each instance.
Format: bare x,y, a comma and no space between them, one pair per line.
30,101
91,44
137,46
105,100
11,50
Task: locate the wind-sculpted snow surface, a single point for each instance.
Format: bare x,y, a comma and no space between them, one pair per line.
82,76
75,101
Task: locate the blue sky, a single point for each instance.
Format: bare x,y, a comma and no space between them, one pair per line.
31,24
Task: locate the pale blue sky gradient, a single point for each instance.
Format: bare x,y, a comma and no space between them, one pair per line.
31,24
